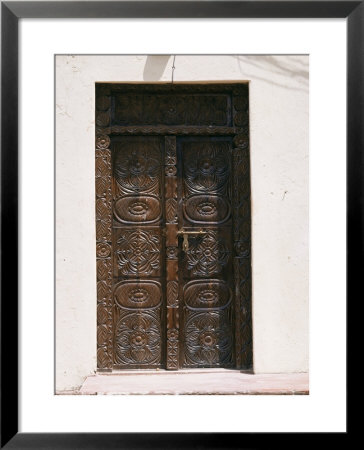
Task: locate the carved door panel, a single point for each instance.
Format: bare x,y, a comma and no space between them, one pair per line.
206,266
138,248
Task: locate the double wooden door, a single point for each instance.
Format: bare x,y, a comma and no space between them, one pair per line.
179,253
172,243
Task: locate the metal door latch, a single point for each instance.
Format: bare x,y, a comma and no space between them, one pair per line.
185,234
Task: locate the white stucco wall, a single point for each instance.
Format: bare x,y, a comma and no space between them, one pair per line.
279,176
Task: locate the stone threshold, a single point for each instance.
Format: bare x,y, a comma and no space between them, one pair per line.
194,382
144,372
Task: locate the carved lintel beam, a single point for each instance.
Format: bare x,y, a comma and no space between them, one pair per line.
168,130
237,89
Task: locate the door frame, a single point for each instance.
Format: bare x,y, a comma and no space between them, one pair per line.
239,130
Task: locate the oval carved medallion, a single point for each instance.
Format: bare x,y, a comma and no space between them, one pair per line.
138,294
207,294
206,208
134,209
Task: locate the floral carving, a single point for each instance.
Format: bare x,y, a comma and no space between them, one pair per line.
103,250
137,339
241,140
209,340
171,252
241,119
171,155
206,167
170,171
138,252
242,249
102,141
137,168
172,354
172,334
242,231
208,255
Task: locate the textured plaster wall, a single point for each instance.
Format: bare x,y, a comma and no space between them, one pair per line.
279,175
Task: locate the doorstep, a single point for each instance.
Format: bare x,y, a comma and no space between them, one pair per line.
194,382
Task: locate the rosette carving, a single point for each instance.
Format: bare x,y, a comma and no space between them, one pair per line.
137,339
210,339
138,252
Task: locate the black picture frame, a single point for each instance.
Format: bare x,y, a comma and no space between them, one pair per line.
11,12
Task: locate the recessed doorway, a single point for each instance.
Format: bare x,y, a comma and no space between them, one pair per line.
173,226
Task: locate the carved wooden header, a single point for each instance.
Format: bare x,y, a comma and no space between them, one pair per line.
175,109
205,109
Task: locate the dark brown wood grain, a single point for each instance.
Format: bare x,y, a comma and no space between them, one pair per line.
103,205
172,275
176,130
172,167
207,328
138,275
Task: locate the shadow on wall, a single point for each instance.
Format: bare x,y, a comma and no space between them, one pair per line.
286,71
291,72
155,66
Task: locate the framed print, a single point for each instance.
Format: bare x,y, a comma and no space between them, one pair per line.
178,192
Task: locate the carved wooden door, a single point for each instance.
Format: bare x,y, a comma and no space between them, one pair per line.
173,213
138,251
206,259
